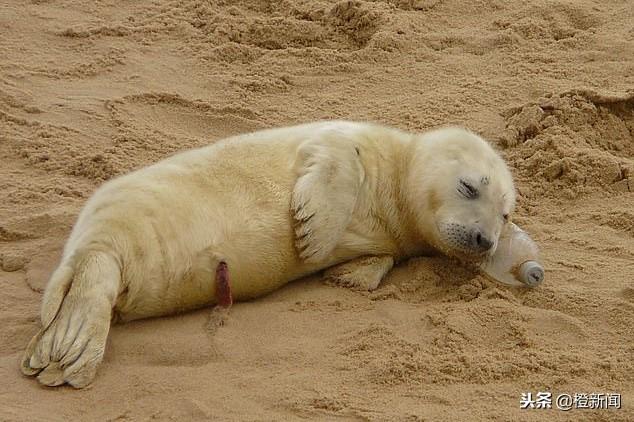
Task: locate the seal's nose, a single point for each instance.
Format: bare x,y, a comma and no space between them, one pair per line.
479,242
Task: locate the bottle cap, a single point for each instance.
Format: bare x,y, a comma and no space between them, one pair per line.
531,273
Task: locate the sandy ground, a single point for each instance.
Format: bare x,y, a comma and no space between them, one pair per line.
90,90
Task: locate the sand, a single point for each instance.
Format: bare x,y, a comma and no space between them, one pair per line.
91,90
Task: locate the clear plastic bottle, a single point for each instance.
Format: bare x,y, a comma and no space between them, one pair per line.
515,261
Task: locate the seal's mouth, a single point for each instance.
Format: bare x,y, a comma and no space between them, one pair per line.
456,245
464,256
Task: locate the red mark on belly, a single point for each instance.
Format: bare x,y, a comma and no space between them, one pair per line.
223,289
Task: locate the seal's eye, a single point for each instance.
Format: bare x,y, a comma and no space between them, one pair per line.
505,217
467,190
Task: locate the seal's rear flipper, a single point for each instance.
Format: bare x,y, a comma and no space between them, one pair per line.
76,314
56,290
25,367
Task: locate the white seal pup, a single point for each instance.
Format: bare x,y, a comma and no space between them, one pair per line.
263,209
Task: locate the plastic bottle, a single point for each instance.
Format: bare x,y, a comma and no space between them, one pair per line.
515,261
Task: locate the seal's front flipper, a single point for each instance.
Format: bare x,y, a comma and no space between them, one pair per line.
329,179
363,273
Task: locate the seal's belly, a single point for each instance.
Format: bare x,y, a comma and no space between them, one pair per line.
229,202
186,225
259,262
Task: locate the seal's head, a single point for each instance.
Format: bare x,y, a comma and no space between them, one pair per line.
463,192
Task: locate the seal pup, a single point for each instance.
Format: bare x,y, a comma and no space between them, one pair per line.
244,216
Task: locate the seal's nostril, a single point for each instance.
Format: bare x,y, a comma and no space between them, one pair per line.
480,242
485,243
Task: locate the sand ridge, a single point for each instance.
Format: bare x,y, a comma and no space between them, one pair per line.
91,90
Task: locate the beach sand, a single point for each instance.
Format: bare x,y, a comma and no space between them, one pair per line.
91,90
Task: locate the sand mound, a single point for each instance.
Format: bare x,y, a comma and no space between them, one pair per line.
574,143
91,90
